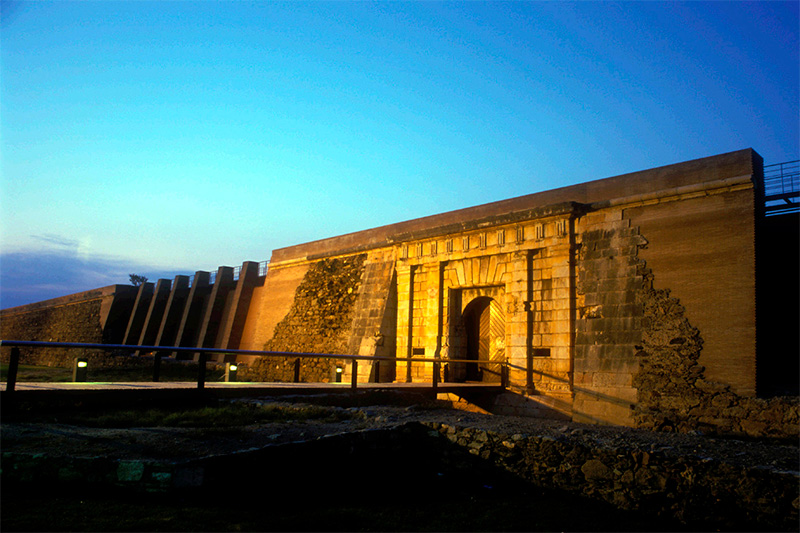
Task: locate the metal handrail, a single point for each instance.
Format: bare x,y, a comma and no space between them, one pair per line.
436,361
781,186
263,267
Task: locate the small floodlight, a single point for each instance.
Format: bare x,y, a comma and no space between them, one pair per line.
79,370
230,371
339,371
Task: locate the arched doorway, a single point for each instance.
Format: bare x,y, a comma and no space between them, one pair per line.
485,329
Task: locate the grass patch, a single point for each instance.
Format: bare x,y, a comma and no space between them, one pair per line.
222,416
38,374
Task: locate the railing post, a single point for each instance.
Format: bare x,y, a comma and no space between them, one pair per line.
201,371
13,366
504,375
354,377
156,366
297,370
435,383
377,367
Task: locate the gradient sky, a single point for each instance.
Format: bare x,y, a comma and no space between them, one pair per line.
166,137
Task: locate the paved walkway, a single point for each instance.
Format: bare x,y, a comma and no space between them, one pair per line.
252,387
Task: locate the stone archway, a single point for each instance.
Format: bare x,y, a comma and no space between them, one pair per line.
484,329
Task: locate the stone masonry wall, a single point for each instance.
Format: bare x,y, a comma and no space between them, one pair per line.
692,489
374,314
319,321
609,319
673,392
77,322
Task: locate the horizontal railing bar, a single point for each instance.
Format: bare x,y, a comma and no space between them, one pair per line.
133,347
782,196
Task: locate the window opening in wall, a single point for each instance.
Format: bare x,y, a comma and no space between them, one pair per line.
501,237
449,246
520,234
482,240
434,248
404,252
465,242
417,351
419,249
539,232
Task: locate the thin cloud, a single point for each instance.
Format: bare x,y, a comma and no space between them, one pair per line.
58,240
32,276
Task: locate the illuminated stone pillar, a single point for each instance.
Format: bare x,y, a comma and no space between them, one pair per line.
215,309
233,324
405,294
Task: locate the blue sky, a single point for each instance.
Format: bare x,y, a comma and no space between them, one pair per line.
166,137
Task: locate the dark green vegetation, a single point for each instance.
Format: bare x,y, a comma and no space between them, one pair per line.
434,502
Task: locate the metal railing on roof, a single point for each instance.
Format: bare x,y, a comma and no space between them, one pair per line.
782,188
263,267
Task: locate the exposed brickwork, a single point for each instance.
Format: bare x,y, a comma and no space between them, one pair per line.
702,249
636,353
673,392
318,322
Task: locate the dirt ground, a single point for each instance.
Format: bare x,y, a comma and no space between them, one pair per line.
175,444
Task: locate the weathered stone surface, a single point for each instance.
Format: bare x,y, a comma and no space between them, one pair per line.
595,470
318,322
693,489
672,390
79,322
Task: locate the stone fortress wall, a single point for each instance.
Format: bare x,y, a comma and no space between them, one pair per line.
184,312
628,300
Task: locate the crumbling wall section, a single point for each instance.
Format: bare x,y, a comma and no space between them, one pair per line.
319,321
637,355
674,394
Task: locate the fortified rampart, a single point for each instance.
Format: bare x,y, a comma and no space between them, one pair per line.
203,310
629,300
